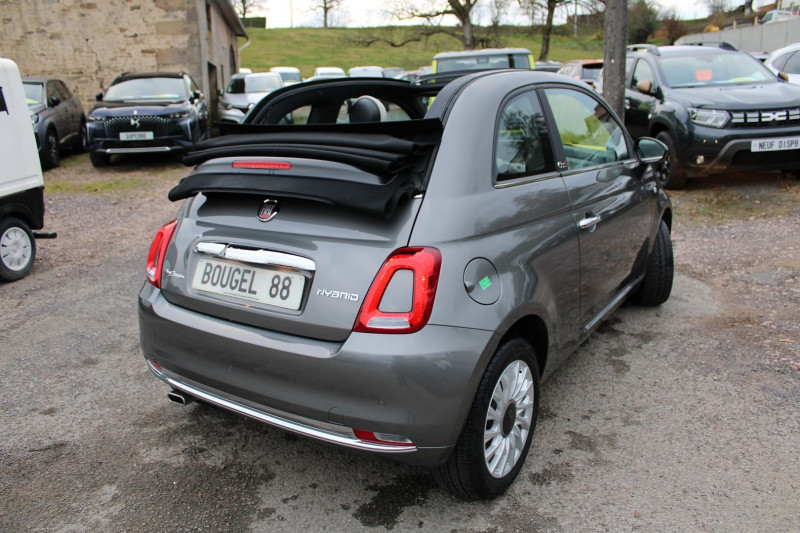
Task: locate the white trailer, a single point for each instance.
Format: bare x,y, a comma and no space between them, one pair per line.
21,182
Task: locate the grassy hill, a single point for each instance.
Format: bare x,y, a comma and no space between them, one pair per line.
307,48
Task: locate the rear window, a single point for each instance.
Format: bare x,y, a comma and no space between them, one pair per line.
483,62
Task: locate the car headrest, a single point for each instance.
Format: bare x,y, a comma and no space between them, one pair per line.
367,109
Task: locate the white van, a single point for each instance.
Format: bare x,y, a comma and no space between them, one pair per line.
21,183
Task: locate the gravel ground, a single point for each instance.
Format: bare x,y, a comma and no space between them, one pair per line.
683,418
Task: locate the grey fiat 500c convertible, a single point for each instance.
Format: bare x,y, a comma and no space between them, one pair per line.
394,268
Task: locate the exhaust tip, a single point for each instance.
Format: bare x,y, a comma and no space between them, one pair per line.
179,397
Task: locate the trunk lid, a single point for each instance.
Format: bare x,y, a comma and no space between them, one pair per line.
291,247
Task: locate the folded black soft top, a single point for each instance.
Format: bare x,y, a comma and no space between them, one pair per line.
392,158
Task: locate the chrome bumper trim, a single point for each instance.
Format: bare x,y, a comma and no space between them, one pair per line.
326,432
138,150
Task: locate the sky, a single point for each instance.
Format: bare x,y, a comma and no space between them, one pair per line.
354,13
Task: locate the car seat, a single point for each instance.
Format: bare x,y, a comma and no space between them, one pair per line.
367,109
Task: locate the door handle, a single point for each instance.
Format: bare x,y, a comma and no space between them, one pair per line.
589,222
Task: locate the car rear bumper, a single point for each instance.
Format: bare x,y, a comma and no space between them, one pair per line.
418,386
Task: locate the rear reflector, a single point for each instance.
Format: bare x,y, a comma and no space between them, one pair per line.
382,438
158,250
424,264
263,165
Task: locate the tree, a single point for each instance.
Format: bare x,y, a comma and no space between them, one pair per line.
642,21
435,11
675,28
243,7
326,6
614,58
718,6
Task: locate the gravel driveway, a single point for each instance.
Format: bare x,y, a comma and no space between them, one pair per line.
683,418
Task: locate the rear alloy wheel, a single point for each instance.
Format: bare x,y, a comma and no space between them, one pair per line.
17,249
497,435
50,154
669,171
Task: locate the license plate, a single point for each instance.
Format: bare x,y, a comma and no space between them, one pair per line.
775,145
136,136
246,282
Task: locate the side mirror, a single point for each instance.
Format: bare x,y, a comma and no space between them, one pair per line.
196,95
644,86
782,75
54,101
650,150
99,97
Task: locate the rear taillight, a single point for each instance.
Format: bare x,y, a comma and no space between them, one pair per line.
424,265
158,250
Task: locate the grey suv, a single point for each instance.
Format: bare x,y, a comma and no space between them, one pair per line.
401,287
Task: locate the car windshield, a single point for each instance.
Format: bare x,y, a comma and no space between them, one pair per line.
34,93
713,69
254,84
483,62
147,89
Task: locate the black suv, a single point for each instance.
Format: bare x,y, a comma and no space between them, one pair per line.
717,109
147,113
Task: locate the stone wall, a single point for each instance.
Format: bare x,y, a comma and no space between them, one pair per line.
87,43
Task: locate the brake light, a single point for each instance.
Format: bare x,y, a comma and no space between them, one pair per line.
424,264
158,250
263,165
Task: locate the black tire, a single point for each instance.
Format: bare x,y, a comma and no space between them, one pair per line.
82,146
467,472
99,159
669,172
50,153
657,284
17,249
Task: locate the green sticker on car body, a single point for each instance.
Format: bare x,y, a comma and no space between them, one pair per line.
485,283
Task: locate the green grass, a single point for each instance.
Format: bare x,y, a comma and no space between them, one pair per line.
307,48
116,185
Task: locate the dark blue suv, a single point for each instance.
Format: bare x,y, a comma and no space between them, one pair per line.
716,108
147,113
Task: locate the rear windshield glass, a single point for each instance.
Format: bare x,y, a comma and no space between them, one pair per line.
147,89
483,62
714,69
290,76
591,72
255,84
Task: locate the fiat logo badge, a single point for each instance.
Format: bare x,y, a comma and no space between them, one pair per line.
268,210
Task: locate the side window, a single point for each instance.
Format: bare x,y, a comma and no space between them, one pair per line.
781,60
52,92
792,64
522,147
642,72
62,89
589,133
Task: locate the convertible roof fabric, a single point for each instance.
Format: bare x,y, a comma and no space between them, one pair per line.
396,155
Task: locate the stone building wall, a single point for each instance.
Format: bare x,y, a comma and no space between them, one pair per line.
87,43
